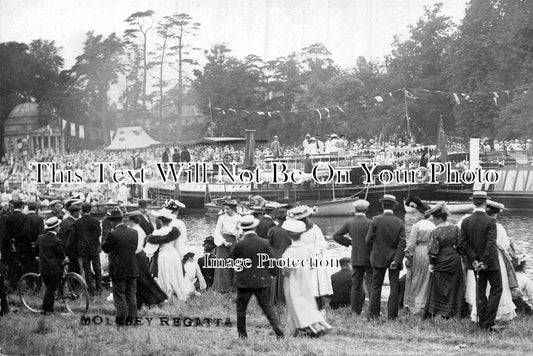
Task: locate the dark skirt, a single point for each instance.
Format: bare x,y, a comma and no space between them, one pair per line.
446,293
148,291
277,296
223,279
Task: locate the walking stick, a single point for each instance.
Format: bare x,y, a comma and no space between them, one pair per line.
477,296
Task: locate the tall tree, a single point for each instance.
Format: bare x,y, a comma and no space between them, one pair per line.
96,70
140,24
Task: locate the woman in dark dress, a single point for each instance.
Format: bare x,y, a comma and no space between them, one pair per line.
148,291
446,281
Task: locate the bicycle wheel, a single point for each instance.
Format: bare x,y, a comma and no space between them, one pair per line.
75,294
31,291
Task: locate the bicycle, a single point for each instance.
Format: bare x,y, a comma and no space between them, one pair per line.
73,292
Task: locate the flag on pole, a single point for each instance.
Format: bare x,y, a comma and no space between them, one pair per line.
82,131
441,142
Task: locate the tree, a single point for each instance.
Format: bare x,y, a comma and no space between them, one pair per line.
96,70
31,73
492,52
185,28
140,25
421,61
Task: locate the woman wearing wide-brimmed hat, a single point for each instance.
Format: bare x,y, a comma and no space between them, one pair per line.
314,240
304,318
446,281
417,263
225,235
163,242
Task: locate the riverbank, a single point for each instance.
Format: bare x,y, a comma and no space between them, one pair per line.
31,334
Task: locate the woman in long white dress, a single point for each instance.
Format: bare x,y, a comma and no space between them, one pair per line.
314,240
169,265
304,318
506,308
416,253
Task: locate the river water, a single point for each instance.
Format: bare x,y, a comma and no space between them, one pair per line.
518,223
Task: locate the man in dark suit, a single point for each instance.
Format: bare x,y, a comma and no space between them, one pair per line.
357,228
49,248
267,221
279,240
70,240
478,243
144,220
386,243
341,282
253,280
176,156
121,244
34,227
17,237
209,253
87,230
164,157
56,209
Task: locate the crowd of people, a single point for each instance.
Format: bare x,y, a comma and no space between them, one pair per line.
453,271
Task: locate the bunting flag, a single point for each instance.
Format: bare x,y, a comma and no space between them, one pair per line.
408,94
319,114
456,97
82,131
72,129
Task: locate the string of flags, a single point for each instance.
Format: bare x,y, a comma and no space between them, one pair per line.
81,131
458,98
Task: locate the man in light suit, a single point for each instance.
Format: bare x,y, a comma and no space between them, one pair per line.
478,242
357,228
386,242
253,280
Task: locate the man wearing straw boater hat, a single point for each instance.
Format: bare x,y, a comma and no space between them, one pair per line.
254,280
121,244
386,243
478,242
357,228
51,258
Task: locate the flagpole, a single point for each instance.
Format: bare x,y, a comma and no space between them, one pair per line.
211,114
407,115
62,136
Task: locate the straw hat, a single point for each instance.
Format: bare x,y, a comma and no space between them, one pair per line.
51,223
293,225
248,222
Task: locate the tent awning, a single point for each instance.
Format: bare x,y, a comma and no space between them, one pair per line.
131,138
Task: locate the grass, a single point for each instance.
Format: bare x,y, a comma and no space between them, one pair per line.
25,333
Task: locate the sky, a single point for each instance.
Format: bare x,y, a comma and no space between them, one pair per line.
267,28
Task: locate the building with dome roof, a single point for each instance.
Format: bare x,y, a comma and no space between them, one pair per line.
23,131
